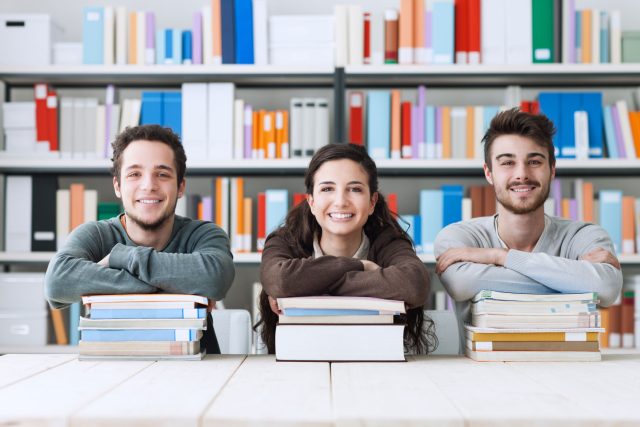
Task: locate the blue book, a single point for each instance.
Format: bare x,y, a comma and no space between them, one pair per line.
604,37
227,30
277,204
172,112
442,30
144,313
111,335
430,131
610,132
550,107
244,31
160,47
187,47
93,35
74,322
451,204
151,109
610,208
592,104
168,46
417,234
431,214
177,47
490,112
328,312
379,124
569,104
407,224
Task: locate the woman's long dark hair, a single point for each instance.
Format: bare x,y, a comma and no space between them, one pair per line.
300,227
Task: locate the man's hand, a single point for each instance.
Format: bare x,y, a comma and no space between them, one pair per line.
495,256
212,305
273,303
104,261
601,255
369,265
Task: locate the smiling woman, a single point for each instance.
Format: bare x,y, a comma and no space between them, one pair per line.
344,241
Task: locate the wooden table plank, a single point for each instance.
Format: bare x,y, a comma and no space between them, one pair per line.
268,393
168,393
389,394
610,387
494,394
49,398
16,367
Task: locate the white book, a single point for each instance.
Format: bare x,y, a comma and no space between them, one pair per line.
207,36
581,134
134,112
260,35
78,141
615,37
121,35
66,127
339,342
355,34
115,124
513,96
238,129
124,114
181,206
195,120
18,213
63,217
321,123
308,126
108,36
89,128
550,207
578,193
376,38
466,208
220,112
341,16
595,36
625,125
284,149
493,32
224,224
268,128
100,133
141,37
440,300
459,132
519,32
296,127
567,37
90,205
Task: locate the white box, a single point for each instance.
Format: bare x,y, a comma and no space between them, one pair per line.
33,31
300,29
20,140
302,55
22,291
19,115
67,54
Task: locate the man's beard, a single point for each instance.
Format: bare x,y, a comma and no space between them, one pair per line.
504,199
156,225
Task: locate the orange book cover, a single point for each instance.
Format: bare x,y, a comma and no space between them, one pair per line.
396,144
262,143
219,201
566,208
76,196
405,45
255,131
216,31
634,119
586,36
133,41
446,132
587,202
284,148
248,224
200,210
239,213
418,28
605,323
471,137
270,134
59,330
628,225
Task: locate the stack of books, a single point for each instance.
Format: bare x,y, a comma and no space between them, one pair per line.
532,327
328,328
143,326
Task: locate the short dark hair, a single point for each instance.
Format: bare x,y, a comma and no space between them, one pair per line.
148,133
515,122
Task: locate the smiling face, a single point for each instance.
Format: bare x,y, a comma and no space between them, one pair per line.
520,173
341,201
148,184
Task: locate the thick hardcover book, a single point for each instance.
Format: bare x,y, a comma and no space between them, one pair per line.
510,335
344,303
43,216
339,343
129,298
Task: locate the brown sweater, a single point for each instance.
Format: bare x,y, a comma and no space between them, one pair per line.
402,276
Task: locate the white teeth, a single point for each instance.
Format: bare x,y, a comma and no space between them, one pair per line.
149,202
341,215
520,190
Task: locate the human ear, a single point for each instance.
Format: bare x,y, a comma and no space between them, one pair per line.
487,174
116,188
372,203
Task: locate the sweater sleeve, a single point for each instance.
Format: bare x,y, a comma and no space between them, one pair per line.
571,274
284,275
463,280
74,272
206,268
402,275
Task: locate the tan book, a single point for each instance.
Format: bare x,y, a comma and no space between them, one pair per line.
58,327
139,348
533,345
491,334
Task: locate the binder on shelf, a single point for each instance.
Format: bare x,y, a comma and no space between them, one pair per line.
93,35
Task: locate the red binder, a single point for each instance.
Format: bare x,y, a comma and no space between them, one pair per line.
262,221
406,129
462,31
42,128
52,120
356,102
367,38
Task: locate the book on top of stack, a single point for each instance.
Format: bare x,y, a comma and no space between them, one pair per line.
331,328
533,327
143,326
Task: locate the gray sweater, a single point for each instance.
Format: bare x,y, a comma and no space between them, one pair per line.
196,261
553,266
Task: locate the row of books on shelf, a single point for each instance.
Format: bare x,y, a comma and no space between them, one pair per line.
621,320
212,123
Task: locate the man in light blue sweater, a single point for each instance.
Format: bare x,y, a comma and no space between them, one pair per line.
520,249
149,248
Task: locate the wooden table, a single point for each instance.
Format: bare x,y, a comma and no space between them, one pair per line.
58,390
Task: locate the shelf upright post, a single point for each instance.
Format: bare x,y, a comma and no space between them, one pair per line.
338,105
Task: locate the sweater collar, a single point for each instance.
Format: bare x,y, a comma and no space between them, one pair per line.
361,253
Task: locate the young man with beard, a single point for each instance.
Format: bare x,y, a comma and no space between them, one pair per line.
520,249
148,249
